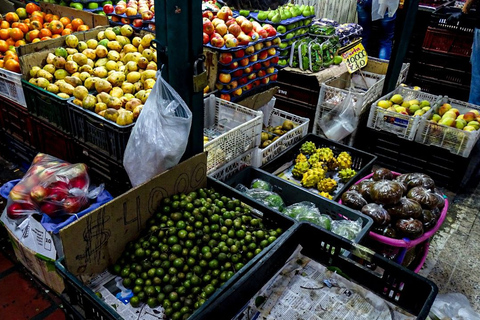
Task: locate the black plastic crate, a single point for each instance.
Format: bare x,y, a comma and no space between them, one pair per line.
47,105
362,162
96,131
52,141
16,151
439,19
102,169
446,61
95,308
438,72
444,88
16,121
396,284
292,194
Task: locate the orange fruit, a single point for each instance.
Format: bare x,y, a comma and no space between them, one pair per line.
49,17
23,27
16,34
65,21
77,22
15,24
45,38
4,24
66,32
11,17
27,21
12,65
37,18
31,35
55,17
56,27
4,34
56,36
83,27
68,26
3,46
10,42
20,43
31,7
45,33
1,63
36,40
35,25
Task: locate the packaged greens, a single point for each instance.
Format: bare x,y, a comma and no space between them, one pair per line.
347,228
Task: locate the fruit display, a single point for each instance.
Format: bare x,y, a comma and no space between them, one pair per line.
52,187
401,206
271,134
318,169
111,75
346,32
139,14
452,117
30,25
302,211
412,107
313,54
286,14
193,245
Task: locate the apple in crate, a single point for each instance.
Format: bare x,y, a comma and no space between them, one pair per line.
270,70
206,38
234,65
257,66
226,58
225,13
38,193
208,14
225,96
216,40
208,26
51,209
224,77
234,29
75,204
239,54
253,58
147,15
261,73
243,40
270,30
237,73
244,62
108,8
263,55
262,33
274,77
16,211
248,70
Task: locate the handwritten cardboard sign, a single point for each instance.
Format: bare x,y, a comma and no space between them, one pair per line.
355,58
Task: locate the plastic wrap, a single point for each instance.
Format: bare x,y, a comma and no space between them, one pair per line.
405,208
269,198
53,187
420,180
453,306
364,189
347,228
341,121
261,184
296,209
409,228
380,216
386,192
387,231
427,199
428,218
160,135
353,199
382,174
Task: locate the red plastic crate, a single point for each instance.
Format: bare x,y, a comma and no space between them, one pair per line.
448,42
52,141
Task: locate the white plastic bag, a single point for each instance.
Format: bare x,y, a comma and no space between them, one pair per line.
160,135
341,121
453,306
380,7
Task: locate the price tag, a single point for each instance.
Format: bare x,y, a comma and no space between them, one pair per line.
355,58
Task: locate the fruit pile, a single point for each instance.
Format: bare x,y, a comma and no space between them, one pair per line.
271,134
312,165
402,206
94,6
398,104
193,245
50,186
30,25
284,14
134,12
120,70
451,117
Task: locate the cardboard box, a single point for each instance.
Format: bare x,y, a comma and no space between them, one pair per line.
90,19
98,239
260,99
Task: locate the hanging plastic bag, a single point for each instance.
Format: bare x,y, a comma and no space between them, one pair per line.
159,137
341,121
381,7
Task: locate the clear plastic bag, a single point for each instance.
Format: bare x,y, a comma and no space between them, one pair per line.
347,228
341,121
453,306
160,135
261,184
53,187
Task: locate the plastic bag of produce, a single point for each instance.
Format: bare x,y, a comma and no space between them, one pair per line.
453,306
52,187
347,228
160,135
341,121
261,184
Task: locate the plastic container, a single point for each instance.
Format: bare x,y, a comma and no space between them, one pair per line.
457,141
292,194
439,19
444,41
16,120
98,132
403,125
438,72
50,140
277,117
16,151
11,87
231,168
362,161
95,308
334,91
395,284
47,105
232,130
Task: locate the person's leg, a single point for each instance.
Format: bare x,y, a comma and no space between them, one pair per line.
386,37
475,60
364,11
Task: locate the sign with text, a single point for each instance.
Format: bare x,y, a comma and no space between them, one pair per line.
355,58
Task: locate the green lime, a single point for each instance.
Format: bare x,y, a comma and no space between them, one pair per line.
92,5
135,302
152,302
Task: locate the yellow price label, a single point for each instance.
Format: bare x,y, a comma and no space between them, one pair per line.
355,58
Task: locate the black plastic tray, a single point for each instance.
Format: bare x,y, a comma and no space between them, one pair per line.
362,162
95,308
439,19
397,284
292,194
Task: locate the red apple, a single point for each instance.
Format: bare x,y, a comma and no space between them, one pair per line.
206,38
221,29
256,83
225,97
242,81
243,39
244,62
247,26
138,23
253,58
108,8
273,77
16,211
230,22
147,15
248,70
234,65
38,193
80,182
240,20
247,87
274,60
226,58
237,92
239,54
270,70
262,33
225,13
208,26
74,204
19,192
265,80
50,209
266,64
232,85
257,66
235,29
263,55
208,14
261,73
216,40
237,73
271,51
270,30
249,50
224,77
251,76
254,36
126,21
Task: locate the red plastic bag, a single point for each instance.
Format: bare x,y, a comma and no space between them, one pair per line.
50,186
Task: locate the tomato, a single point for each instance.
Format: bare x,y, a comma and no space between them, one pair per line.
4,34
4,25
56,27
3,46
11,17
83,27
45,33
16,34
77,22
66,32
31,35
31,7
12,65
65,21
